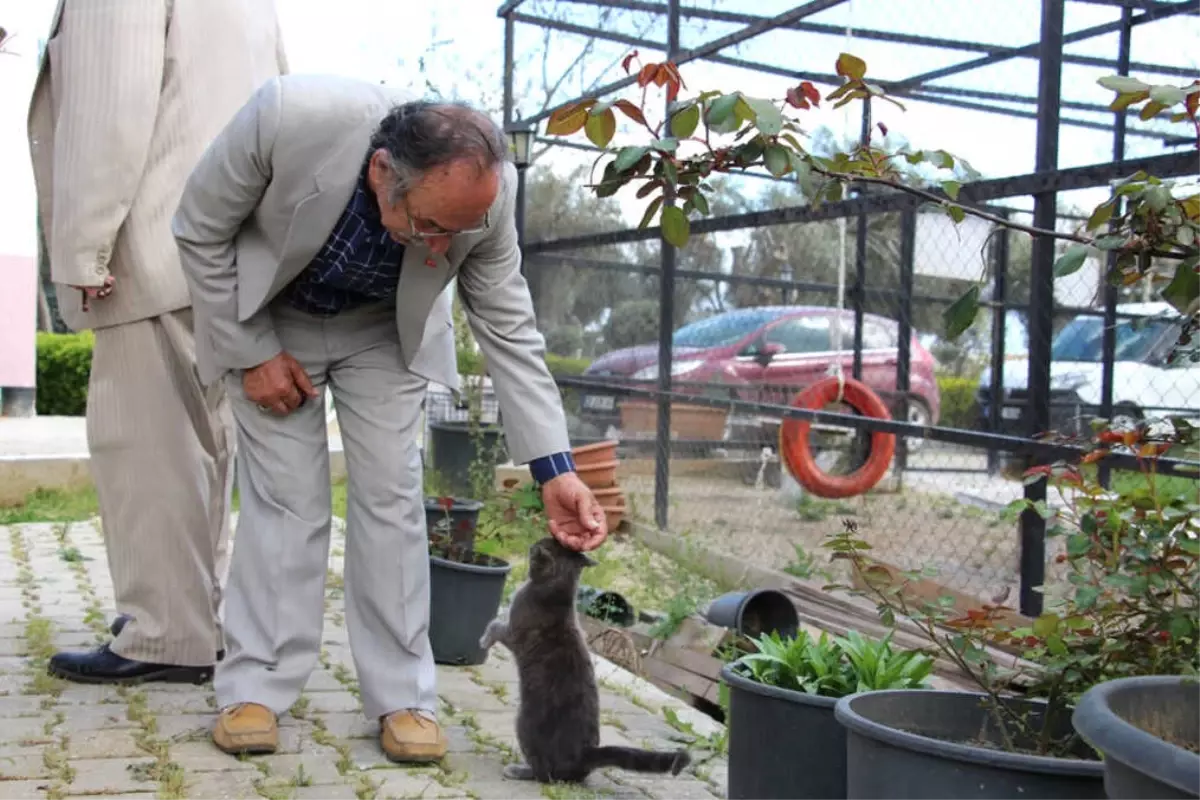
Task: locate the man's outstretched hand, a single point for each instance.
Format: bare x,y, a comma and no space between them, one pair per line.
575,516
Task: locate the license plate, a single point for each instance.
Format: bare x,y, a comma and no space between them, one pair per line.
1010,412
599,402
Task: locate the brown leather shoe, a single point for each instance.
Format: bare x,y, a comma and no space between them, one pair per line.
246,729
412,737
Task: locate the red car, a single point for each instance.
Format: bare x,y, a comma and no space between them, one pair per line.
767,354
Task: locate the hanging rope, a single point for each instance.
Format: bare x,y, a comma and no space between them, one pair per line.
795,450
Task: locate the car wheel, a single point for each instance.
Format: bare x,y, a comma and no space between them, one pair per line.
918,414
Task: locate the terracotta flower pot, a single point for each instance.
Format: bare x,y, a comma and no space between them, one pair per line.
595,453
688,421
611,497
613,516
598,476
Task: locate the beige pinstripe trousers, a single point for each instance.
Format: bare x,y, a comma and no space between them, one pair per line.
160,454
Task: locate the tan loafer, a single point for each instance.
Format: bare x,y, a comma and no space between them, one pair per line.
246,729
412,737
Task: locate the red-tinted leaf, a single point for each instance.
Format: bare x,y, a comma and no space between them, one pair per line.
446,503
627,60
811,92
646,74
631,111
796,99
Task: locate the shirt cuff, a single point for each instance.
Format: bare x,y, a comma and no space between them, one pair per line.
546,468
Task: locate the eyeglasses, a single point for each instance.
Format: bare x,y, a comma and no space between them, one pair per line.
439,233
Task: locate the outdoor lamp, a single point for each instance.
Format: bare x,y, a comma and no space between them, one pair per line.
520,139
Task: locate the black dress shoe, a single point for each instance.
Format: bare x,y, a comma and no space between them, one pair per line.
102,665
118,624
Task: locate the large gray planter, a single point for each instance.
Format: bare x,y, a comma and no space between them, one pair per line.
1148,729
782,744
912,744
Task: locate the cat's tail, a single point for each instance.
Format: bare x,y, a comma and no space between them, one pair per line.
637,760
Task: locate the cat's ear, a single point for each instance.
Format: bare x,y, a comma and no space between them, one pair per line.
587,560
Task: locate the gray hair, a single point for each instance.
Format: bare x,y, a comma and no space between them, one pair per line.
419,136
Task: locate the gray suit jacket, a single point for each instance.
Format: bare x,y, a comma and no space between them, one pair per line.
265,196
128,95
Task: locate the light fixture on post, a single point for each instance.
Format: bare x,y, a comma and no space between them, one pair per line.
520,139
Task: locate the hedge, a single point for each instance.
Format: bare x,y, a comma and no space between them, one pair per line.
959,406
64,362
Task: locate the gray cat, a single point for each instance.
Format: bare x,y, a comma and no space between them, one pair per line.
558,725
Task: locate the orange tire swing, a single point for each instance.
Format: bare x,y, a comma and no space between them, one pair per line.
798,457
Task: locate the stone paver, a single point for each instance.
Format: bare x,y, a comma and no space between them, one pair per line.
64,740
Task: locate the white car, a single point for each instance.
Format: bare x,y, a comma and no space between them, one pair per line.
1144,384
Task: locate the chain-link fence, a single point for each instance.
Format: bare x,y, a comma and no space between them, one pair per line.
772,296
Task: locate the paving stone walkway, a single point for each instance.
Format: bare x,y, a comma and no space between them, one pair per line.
59,739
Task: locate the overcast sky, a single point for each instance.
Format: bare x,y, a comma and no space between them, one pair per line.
460,42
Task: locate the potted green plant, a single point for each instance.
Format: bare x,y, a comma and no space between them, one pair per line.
465,586
1148,729
1131,577
783,739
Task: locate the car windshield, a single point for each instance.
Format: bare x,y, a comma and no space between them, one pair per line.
1083,339
721,330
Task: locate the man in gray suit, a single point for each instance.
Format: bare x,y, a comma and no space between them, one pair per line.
128,95
317,234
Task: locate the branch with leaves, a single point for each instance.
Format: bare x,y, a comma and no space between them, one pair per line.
718,132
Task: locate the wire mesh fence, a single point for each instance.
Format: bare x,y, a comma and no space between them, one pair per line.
774,297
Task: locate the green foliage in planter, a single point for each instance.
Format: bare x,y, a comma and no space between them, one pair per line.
64,363
959,406
1132,594
834,666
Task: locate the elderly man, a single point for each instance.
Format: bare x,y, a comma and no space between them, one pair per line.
317,235
129,94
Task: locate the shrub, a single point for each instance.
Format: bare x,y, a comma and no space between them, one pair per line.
959,406
64,363
560,365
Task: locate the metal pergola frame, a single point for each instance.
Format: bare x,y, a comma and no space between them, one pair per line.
1044,184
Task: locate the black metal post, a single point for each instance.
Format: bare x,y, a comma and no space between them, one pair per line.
857,292
908,249
519,215
1041,299
1109,341
666,326
510,36
999,254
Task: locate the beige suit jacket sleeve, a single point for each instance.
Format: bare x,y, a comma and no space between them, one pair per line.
500,312
221,193
107,69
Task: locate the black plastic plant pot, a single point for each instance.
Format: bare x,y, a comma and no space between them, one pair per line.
459,521
782,744
455,448
464,596
605,606
907,743
1148,729
755,613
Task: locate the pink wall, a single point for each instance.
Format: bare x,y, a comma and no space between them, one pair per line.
18,320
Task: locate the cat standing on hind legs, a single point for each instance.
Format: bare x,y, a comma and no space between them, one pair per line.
558,722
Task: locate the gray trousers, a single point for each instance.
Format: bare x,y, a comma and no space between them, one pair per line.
159,445
274,599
